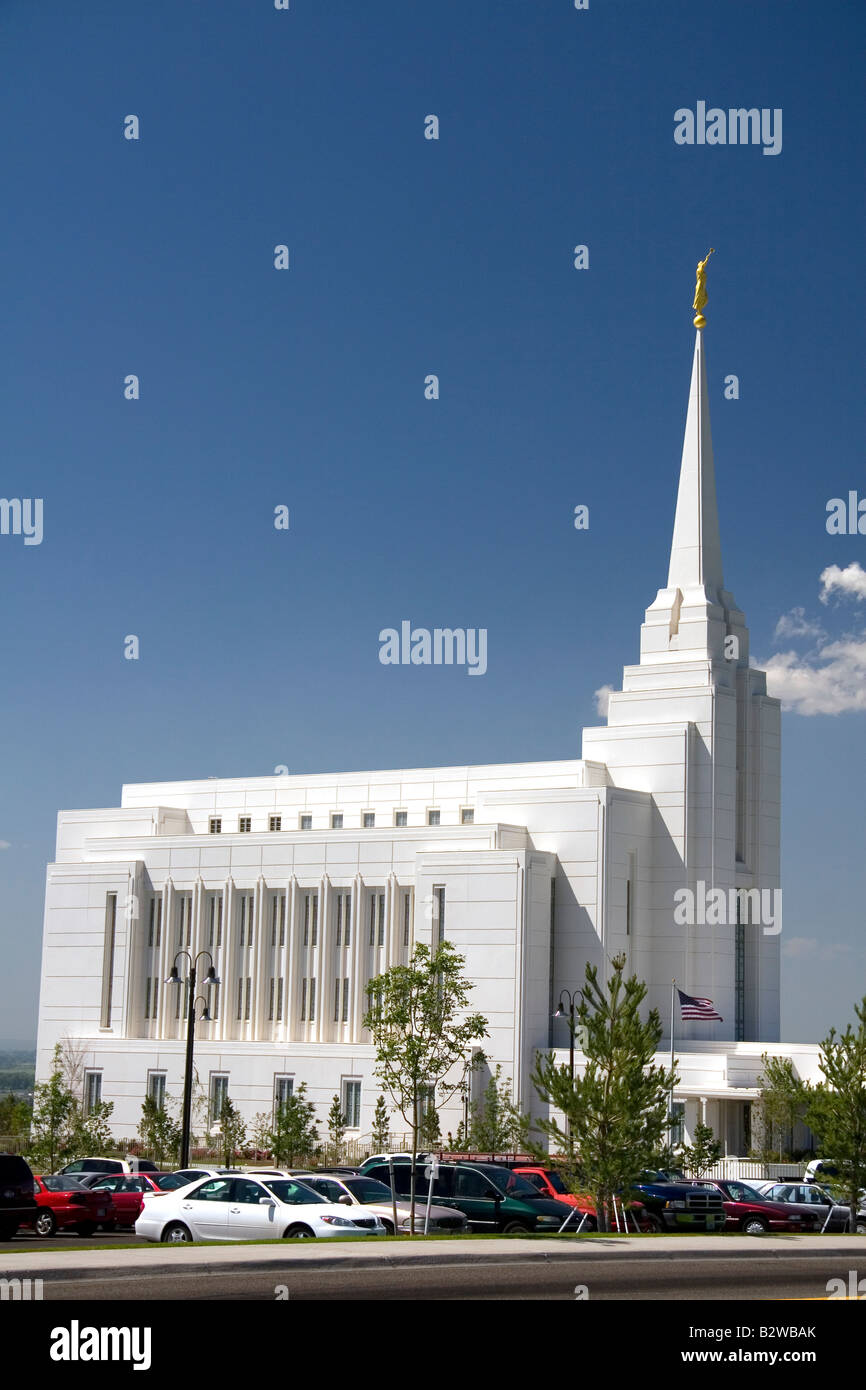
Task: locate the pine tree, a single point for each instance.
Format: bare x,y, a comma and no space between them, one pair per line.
159,1132
837,1108
233,1131
705,1150
336,1127
616,1111
294,1132
497,1124
381,1134
52,1128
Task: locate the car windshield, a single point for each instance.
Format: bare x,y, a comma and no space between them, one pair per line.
63,1185
295,1193
511,1183
556,1182
367,1190
167,1182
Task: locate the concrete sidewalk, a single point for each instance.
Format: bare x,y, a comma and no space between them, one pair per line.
34,1263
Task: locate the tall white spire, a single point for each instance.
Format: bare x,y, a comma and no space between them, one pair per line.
696,550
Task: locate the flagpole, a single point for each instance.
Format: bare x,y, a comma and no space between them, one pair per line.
671,1102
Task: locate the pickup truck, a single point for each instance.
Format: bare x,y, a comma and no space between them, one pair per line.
670,1206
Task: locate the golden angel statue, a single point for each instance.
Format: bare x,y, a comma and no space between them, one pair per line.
701,288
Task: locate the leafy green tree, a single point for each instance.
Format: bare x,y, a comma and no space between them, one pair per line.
784,1099
260,1132
336,1127
705,1150
381,1134
837,1107
91,1132
422,1033
429,1132
497,1124
53,1124
616,1111
233,1131
159,1131
294,1131
15,1115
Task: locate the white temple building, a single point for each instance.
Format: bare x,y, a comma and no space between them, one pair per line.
304,887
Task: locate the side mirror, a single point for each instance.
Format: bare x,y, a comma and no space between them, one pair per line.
345,1200
267,1202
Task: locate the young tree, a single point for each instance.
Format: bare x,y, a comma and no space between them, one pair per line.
837,1107
422,1033
260,1132
336,1127
233,1131
699,1157
784,1098
497,1124
616,1112
381,1134
429,1132
159,1131
54,1106
15,1115
294,1130
90,1131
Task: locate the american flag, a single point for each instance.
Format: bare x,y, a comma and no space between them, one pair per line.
697,1008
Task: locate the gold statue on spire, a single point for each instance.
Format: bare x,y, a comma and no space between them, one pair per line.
700,298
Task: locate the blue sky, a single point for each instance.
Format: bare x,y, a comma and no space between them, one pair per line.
305,388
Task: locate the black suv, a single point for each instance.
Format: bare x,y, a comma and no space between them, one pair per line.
671,1206
17,1202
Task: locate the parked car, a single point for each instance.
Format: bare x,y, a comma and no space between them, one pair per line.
375,1196
673,1206
194,1174
17,1202
110,1165
817,1202
126,1191
550,1184
491,1198
248,1208
64,1203
752,1213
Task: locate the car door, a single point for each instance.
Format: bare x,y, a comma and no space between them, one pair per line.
475,1196
818,1203
206,1210
119,1206
249,1219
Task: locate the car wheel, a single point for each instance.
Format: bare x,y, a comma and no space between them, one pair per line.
515,1228
8,1229
87,1228
176,1234
45,1223
656,1223
861,1228
300,1233
389,1227
754,1226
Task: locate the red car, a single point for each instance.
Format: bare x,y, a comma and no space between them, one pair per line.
548,1181
123,1192
63,1202
748,1211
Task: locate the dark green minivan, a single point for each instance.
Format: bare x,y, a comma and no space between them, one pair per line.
492,1199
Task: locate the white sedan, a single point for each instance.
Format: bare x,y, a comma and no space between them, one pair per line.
248,1208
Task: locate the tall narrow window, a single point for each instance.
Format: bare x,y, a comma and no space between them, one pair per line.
271,993
312,999
401,818
283,1088
156,1088
377,919
147,988
439,915
245,917
337,1001
740,977
215,825
279,1000
369,820
345,1017
407,918
303,1000
92,1090
433,817
352,1104
108,959
311,919
337,821
154,926
275,822
278,919
219,1094
248,998
214,917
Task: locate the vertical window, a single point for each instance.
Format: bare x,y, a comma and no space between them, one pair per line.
311,919
739,977
306,822
312,998
275,822
337,1000
183,935
156,1088
400,818
283,1088
407,918
352,1104
154,926
108,959
215,1002
92,1090
278,919
147,985
439,915
246,906
433,818
345,1017
629,894
271,993
219,1093
369,820
240,998
678,1111
377,919
214,915
245,824
303,1001
467,816
279,1000
215,825
337,821
248,997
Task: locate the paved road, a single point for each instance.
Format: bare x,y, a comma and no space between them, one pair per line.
754,1277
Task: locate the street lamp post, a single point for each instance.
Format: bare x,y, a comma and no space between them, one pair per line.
174,979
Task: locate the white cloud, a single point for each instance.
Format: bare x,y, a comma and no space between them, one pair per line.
4,844
798,946
850,582
602,699
796,624
832,681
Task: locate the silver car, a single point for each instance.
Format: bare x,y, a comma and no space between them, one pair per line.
811,1197
376,1197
